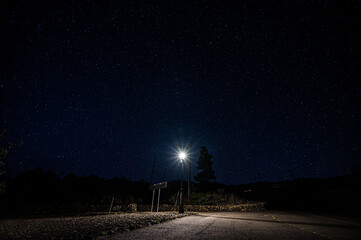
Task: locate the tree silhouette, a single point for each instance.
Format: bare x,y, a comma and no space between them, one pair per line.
3,153
205,165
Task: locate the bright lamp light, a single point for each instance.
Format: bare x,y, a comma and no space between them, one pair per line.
182,155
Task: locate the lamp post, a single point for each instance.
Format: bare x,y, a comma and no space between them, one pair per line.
182,156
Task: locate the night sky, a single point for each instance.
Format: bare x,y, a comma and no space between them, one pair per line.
271,88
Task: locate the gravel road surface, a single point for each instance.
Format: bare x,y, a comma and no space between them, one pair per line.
235,225
86,227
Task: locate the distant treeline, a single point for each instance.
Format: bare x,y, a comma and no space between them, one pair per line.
43,192
39,192
337,195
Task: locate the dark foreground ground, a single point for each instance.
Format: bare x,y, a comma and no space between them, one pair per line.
263,225
86,227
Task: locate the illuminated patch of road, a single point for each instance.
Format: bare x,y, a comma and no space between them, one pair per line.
301,228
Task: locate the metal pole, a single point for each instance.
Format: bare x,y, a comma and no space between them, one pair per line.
189,178
151,209
111,205
151,176
190,168
158,199
181,204
176,201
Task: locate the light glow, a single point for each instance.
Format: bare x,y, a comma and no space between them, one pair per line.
182,155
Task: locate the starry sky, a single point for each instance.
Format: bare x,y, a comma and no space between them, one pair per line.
271,88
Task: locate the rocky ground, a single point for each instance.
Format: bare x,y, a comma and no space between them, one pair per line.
88,227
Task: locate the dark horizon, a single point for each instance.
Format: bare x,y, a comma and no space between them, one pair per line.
272,89
256,180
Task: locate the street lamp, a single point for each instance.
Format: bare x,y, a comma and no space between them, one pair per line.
182,156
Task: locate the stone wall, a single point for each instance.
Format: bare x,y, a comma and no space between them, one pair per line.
253,207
